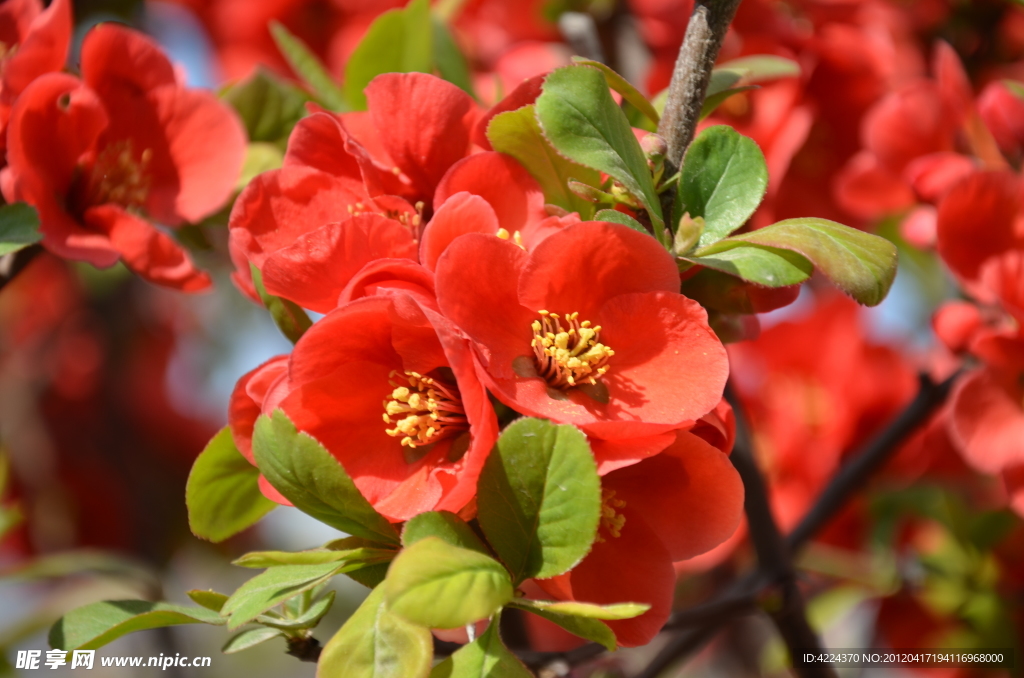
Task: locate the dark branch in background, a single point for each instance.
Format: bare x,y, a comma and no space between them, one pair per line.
851,477
13,264
773,557
580,31
704,35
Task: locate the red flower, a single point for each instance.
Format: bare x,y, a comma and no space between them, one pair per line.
33,41
586,329
673,506
100,157
389,388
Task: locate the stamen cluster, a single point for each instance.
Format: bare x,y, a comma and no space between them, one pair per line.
425,409
568,355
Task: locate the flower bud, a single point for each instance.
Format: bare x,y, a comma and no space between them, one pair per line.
687,234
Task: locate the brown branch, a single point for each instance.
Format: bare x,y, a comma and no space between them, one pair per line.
704,35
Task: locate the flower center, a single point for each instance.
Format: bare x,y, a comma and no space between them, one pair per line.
117,177
611,520
516,237
423,410
413,222
569,354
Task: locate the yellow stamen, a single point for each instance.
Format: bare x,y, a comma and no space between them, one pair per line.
611,520
424,410
117,177
566,356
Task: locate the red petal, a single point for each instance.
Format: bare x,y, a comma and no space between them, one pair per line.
953,82
206,144
987,420
318,141
1013,478
246,402
423,122
114,56
634,567
718,427
868,189
955,323
920,226
515,196
460,214
44,49
615,454
985,200
1003,113
582,266
908,123
526,93
690,495
146,251
315,269
934,174
387,276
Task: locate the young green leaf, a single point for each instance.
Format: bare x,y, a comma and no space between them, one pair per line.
444,525
762,67
724,178
451,63
589,610
306,620
539,498
250,638
19,227
583,122
260,157
617,217
713,101
518,134
485,657
222,493
592,629
623,87
209,599
435,584
308,67
765,266
95,625
263,559
860,264
374,643
287,315
398,41
273,587
268,106
314,481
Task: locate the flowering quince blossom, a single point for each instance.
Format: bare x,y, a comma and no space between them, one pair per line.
670,507
389,388
335,202
102,156
33,41
587,329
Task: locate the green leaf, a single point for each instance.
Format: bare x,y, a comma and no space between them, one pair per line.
222,493
1015,87
728,294
451,63
268,106
443,525
250,638
308,67
485,657
398,41
287,315
583,122
617,217
623,87
209,599
762,67
273,587
306,620
518,134
593,630
765,266
374,643
260,157
539,498
860,264
19,227
724,178
588,610
314,481
435,584
365,556
95,625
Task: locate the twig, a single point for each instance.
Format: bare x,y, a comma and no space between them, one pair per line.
773,558
856,472
704,35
